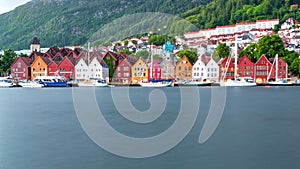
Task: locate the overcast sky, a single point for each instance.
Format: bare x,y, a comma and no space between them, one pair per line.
8,5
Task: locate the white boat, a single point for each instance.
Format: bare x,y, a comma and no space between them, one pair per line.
51,81
93,83
237,82
198,83
30,84
6,82
156,84
277,82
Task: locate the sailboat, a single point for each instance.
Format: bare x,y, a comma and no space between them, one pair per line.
277,81
237,82
155,83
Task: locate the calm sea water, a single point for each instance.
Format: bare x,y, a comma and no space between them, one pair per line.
260,128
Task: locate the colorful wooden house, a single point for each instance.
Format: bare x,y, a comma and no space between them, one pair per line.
212,70
39,67
183,70
111,60
66,68
139,71
19,70
226,69
245,67
282,69
154,70
81,69
263,70
199,70
123,71
98,68
53,69
167,70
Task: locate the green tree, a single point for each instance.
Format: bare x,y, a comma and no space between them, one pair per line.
222,50
6,60
192,56
126,42
295,67
250,52
270,46
134,42
126,51
142,53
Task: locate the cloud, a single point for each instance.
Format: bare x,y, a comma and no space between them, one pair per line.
6,5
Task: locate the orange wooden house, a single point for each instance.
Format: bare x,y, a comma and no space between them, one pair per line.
39,67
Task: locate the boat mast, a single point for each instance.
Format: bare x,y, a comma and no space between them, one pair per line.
88,64
235,57
276,73
151,64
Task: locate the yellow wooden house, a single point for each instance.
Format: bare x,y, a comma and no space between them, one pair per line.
139,71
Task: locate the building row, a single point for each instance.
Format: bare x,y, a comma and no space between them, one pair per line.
81,65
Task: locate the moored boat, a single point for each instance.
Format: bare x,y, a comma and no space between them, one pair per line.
51,81
30,84
156,84
93,83
6,82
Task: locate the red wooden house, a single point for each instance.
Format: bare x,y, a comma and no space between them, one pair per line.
53,69
123,71
226,69
282,70
66,68
263,70
245,67
156,71
19,70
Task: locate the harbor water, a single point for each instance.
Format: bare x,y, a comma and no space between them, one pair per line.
39,129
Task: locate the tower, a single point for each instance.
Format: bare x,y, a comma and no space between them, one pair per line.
35,45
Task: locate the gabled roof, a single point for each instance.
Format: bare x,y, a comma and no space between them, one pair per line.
262,56
52,51
25,60
205,59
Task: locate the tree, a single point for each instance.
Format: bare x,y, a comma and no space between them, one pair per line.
192,56
222,50
7,60
134,42
126,42
270,46
250,52
142,53
295,67
158,40
126,51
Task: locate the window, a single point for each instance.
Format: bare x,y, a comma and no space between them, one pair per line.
38,63
119,68
126,68
19,65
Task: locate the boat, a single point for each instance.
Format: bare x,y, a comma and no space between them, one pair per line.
93,83
198,83
30,84
277,82
237,82
51,81
156,84
6,82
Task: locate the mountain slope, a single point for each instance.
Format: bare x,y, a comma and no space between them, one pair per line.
225,12
71,22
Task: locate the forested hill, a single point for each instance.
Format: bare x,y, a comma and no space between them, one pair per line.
225,12
71,22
